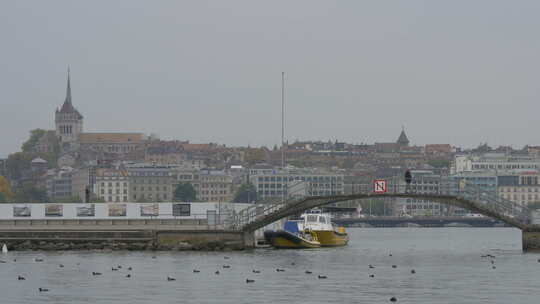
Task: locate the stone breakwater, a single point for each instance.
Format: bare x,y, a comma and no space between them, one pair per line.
35,245
176,240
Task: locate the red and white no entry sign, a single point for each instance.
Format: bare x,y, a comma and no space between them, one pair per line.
379,186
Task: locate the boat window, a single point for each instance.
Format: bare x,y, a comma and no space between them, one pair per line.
321,219
312,218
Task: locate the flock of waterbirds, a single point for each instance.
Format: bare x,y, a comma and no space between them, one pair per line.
226,266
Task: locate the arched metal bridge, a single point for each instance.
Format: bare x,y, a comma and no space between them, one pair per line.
450,192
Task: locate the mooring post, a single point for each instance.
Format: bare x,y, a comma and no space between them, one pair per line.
249,239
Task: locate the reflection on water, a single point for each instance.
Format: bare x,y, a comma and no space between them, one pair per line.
448,264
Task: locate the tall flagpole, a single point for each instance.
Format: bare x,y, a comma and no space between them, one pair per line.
283,120
283,189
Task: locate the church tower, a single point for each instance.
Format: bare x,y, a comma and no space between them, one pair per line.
69,122
403,140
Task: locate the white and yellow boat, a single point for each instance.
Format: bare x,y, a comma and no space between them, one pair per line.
291,237
321,225
313,230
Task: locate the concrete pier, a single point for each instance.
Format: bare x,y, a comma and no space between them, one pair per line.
531,239
119,234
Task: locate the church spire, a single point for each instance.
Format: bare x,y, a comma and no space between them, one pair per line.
68,107
68,90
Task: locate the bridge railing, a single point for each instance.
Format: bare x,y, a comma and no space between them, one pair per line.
480,198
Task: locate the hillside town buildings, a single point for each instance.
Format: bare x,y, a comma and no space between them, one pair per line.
133,167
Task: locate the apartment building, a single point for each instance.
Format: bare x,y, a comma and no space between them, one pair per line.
209,185
520,188
112,185
277,183
151,183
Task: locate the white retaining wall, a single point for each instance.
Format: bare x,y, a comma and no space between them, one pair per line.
115,210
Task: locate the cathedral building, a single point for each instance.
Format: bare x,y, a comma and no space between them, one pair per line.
77,145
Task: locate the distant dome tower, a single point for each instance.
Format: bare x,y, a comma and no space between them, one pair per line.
403,140
69,122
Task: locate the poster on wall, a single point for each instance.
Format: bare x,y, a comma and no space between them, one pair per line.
21,211
149,209
117,209
89,210
54,210
181,210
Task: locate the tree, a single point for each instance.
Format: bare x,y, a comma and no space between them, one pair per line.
18,163
184,192
35,136
247,193
29,193
5,189
2,198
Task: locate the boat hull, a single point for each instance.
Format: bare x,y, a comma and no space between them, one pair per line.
330,238
286,240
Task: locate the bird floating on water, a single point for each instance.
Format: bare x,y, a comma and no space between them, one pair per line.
21,278
43,289
394,266
322,277
217,272
256,271
280,270
308,272
128,275
171,279
413,271
250,281
226,266
393,299
96,273
38,260
196,271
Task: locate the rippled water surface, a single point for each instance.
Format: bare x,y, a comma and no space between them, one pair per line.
447,261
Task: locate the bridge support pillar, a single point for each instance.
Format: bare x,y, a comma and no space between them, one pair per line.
530,240
249,239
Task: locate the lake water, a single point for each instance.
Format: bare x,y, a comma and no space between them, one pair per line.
448,264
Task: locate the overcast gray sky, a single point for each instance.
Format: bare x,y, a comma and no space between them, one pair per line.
458,72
